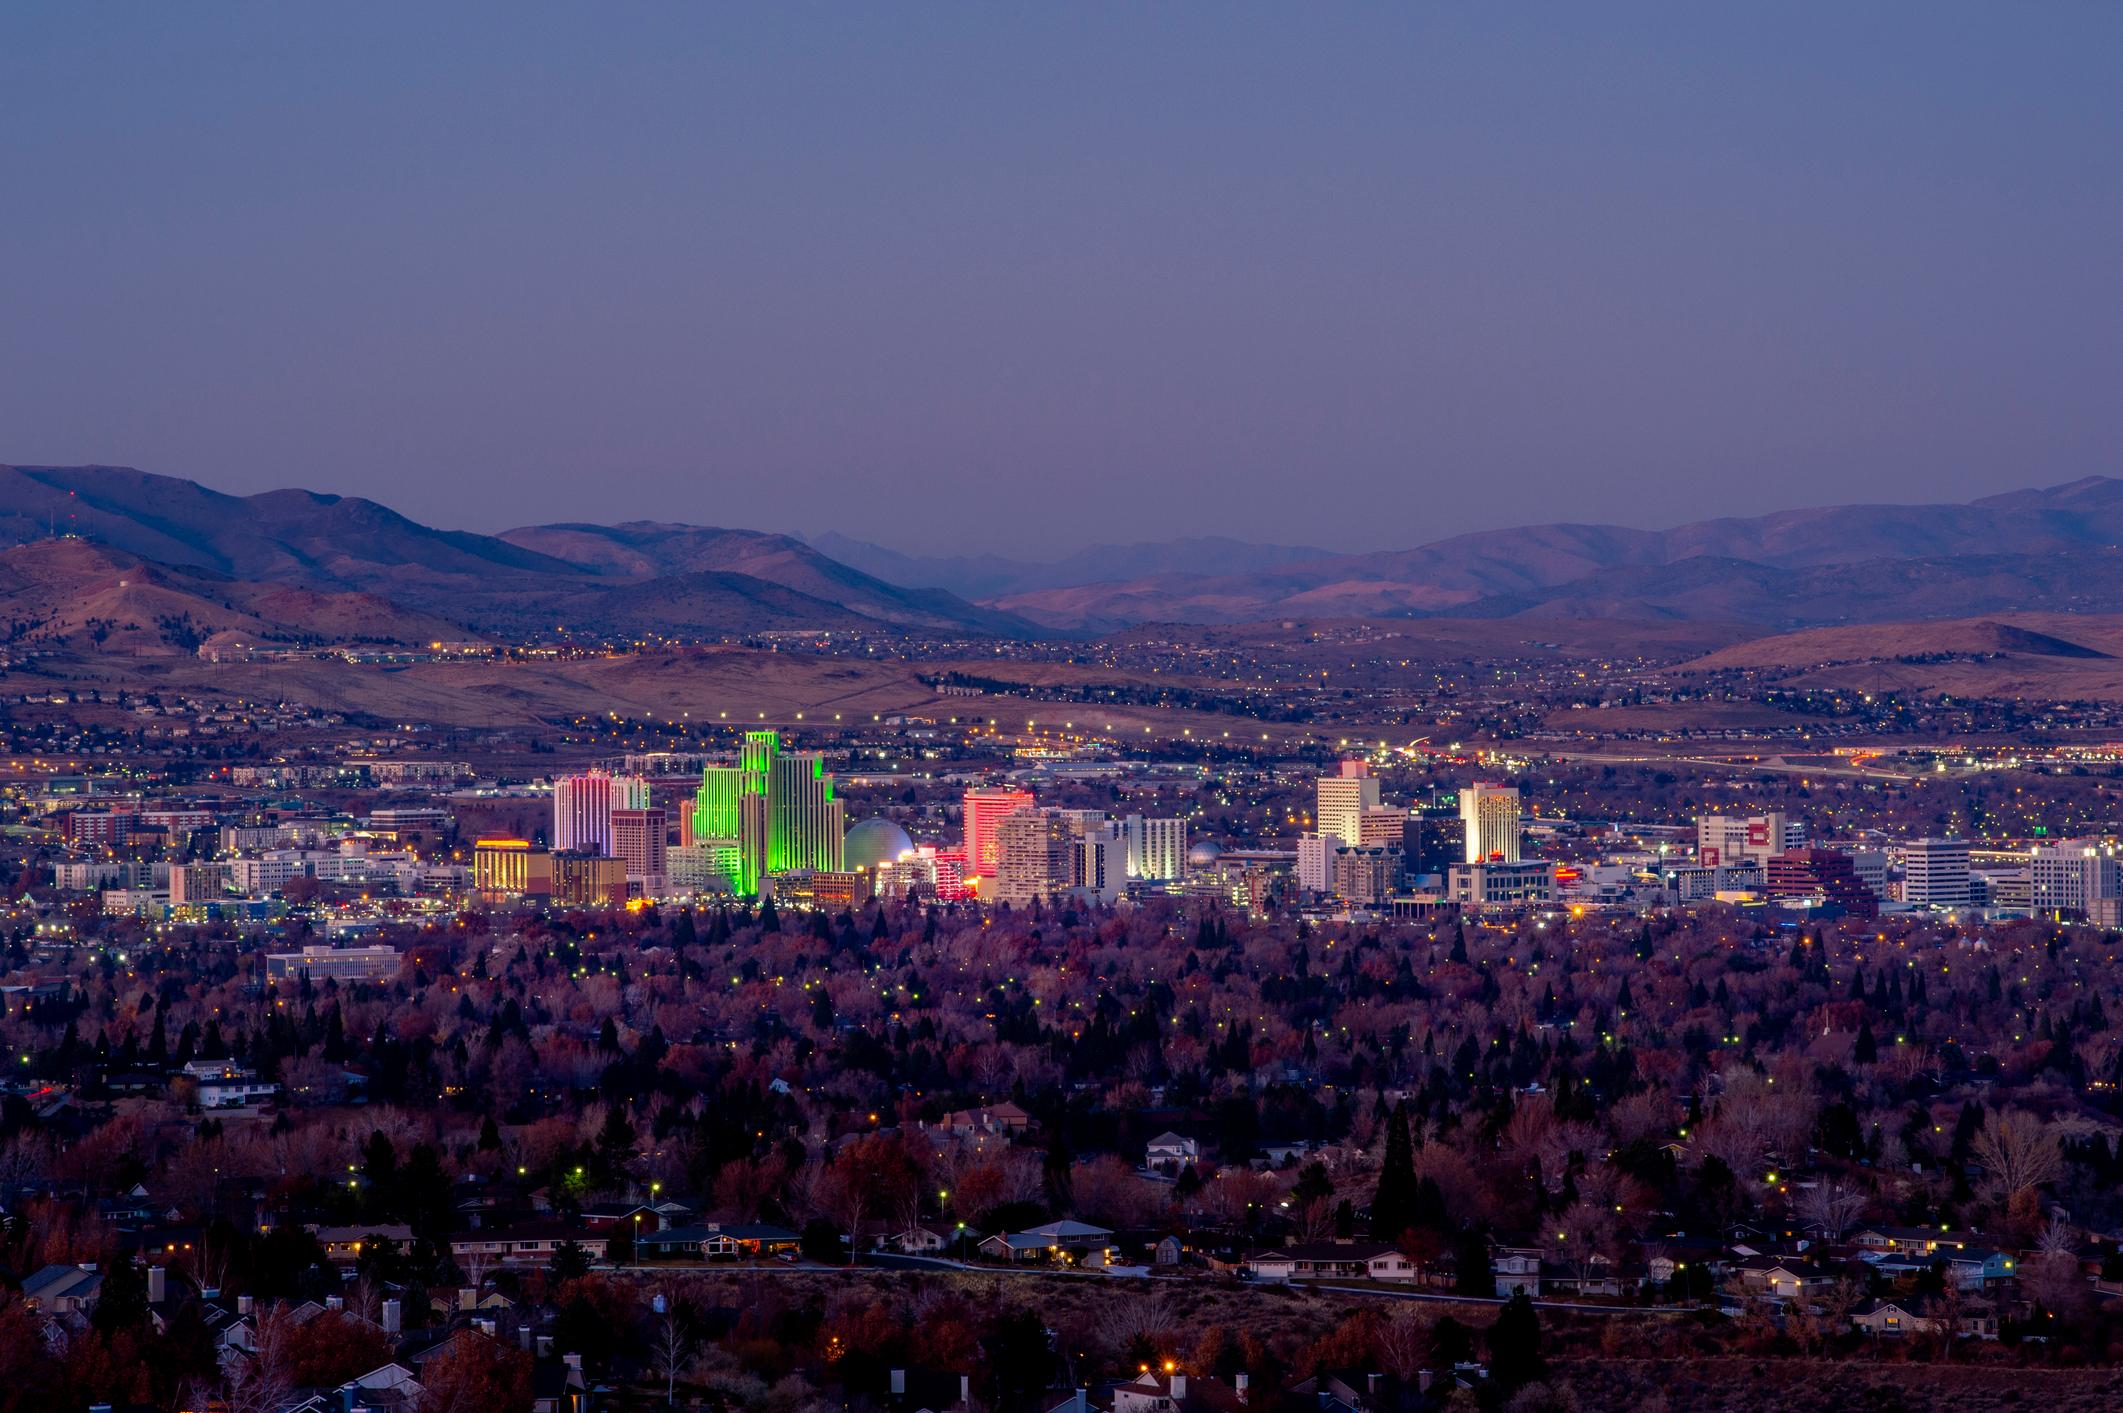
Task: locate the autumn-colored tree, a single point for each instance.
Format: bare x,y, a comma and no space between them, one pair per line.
475,1374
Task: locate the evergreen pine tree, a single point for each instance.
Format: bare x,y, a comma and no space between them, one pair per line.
1393,1206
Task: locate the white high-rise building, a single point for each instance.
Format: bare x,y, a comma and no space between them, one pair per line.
1343,798
2070,878
583,806
1157,848
1035,856
1935,873
1315,861
582,813
1490,813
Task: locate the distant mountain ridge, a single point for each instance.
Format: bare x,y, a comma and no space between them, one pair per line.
612,581
647,550
1961,559
987,576
2048,549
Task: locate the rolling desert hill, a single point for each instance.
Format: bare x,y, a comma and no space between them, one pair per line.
338,544
72,594
2040,657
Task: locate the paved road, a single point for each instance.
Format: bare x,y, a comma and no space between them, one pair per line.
1428,1295
890,1261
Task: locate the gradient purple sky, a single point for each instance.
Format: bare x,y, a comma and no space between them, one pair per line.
1024,277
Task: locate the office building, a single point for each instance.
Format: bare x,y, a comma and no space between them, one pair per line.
1501,883
268,873
197,883
1101,862
984,811
641,841
1724,839
703,866
1157,848
836,889
1692,883
1432,841
1870,865
1489,813
2067,879
1935,873
1385,826
587,880
1343,798
1828,875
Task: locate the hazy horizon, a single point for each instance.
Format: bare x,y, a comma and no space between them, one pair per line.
959,280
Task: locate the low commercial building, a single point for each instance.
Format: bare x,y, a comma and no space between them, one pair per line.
333,964
1502,884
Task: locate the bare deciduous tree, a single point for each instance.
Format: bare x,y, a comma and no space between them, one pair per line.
2018,1152
1831,1206
670,1350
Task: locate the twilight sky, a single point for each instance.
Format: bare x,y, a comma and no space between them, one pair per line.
1022,277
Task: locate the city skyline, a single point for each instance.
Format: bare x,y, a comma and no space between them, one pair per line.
1183,709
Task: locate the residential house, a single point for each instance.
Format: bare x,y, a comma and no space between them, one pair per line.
1919,1241
1169,1152
715,1241
1517,1270
735,1240
1064,1241
1886,1318
1333,1260
531,1244
1155,1391
1003,1118
63,1290
917,1241
343,1244
1781,1278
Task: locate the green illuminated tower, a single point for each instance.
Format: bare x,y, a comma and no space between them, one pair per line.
778,807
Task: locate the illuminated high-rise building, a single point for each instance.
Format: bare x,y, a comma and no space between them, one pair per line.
985,809
639,839
778,805
504,870
1343,798
1035,856
1157,848
1490,813
1935,873
1100,864
582,813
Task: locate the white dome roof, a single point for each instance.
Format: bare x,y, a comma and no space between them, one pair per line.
873,842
